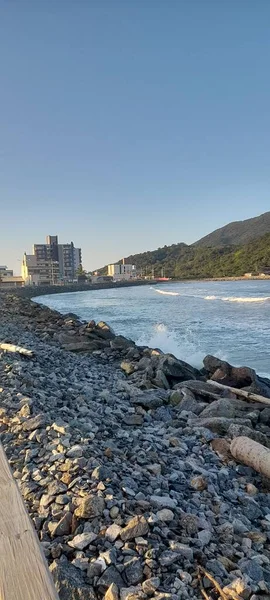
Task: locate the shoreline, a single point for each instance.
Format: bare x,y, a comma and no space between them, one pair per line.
122,456
33,292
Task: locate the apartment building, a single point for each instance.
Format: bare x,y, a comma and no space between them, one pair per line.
51,263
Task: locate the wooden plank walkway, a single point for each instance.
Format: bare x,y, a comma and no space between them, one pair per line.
24,574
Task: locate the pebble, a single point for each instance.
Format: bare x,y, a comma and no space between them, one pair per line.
165,515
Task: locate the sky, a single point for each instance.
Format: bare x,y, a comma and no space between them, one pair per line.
126,125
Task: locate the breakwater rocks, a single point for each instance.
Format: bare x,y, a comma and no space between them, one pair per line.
128,478
31,291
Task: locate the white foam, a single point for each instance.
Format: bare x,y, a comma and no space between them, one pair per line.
166,293
184,348
236,299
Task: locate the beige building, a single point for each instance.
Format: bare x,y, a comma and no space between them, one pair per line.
8,280
122,272
39,272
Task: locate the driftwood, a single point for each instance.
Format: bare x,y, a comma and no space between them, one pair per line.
232,594
242,393
13,348
252,454
24,573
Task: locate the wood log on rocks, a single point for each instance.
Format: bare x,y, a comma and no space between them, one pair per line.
14,348
242,393
252,454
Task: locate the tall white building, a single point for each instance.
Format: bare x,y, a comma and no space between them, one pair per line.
122,272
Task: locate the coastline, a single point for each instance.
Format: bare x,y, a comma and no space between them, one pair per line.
35,291
122,456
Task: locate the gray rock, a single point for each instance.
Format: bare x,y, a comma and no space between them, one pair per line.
62,527
69,582
265,416
113,532
178,369
109,576
133,419
134,571
163,501
222,408
75,452
165,515
82,540
205,536
253,569
34,423
236,430
151,585
136,527
101,473
90,507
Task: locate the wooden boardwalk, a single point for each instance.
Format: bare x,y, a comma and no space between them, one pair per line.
24,574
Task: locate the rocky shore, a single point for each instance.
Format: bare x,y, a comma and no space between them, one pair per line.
122,456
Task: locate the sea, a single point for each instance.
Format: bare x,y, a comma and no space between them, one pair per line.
229,319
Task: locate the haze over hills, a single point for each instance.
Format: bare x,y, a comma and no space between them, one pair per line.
233,250
237,232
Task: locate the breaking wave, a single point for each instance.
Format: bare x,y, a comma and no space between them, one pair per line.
166,293
184,346
235,299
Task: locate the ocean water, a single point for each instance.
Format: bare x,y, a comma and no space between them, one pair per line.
230,319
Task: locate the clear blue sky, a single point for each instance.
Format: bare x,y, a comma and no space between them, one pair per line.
130,124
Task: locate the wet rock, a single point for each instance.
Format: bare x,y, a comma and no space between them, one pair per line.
177,369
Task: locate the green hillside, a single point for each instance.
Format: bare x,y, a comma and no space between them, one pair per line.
182,261
238,232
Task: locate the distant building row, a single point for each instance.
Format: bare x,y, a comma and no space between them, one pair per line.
51,263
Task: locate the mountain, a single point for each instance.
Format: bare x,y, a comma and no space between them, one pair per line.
237,248
238,232
190,262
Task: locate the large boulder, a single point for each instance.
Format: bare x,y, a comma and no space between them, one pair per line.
119,342
177,370
219,425
228,408
239,377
